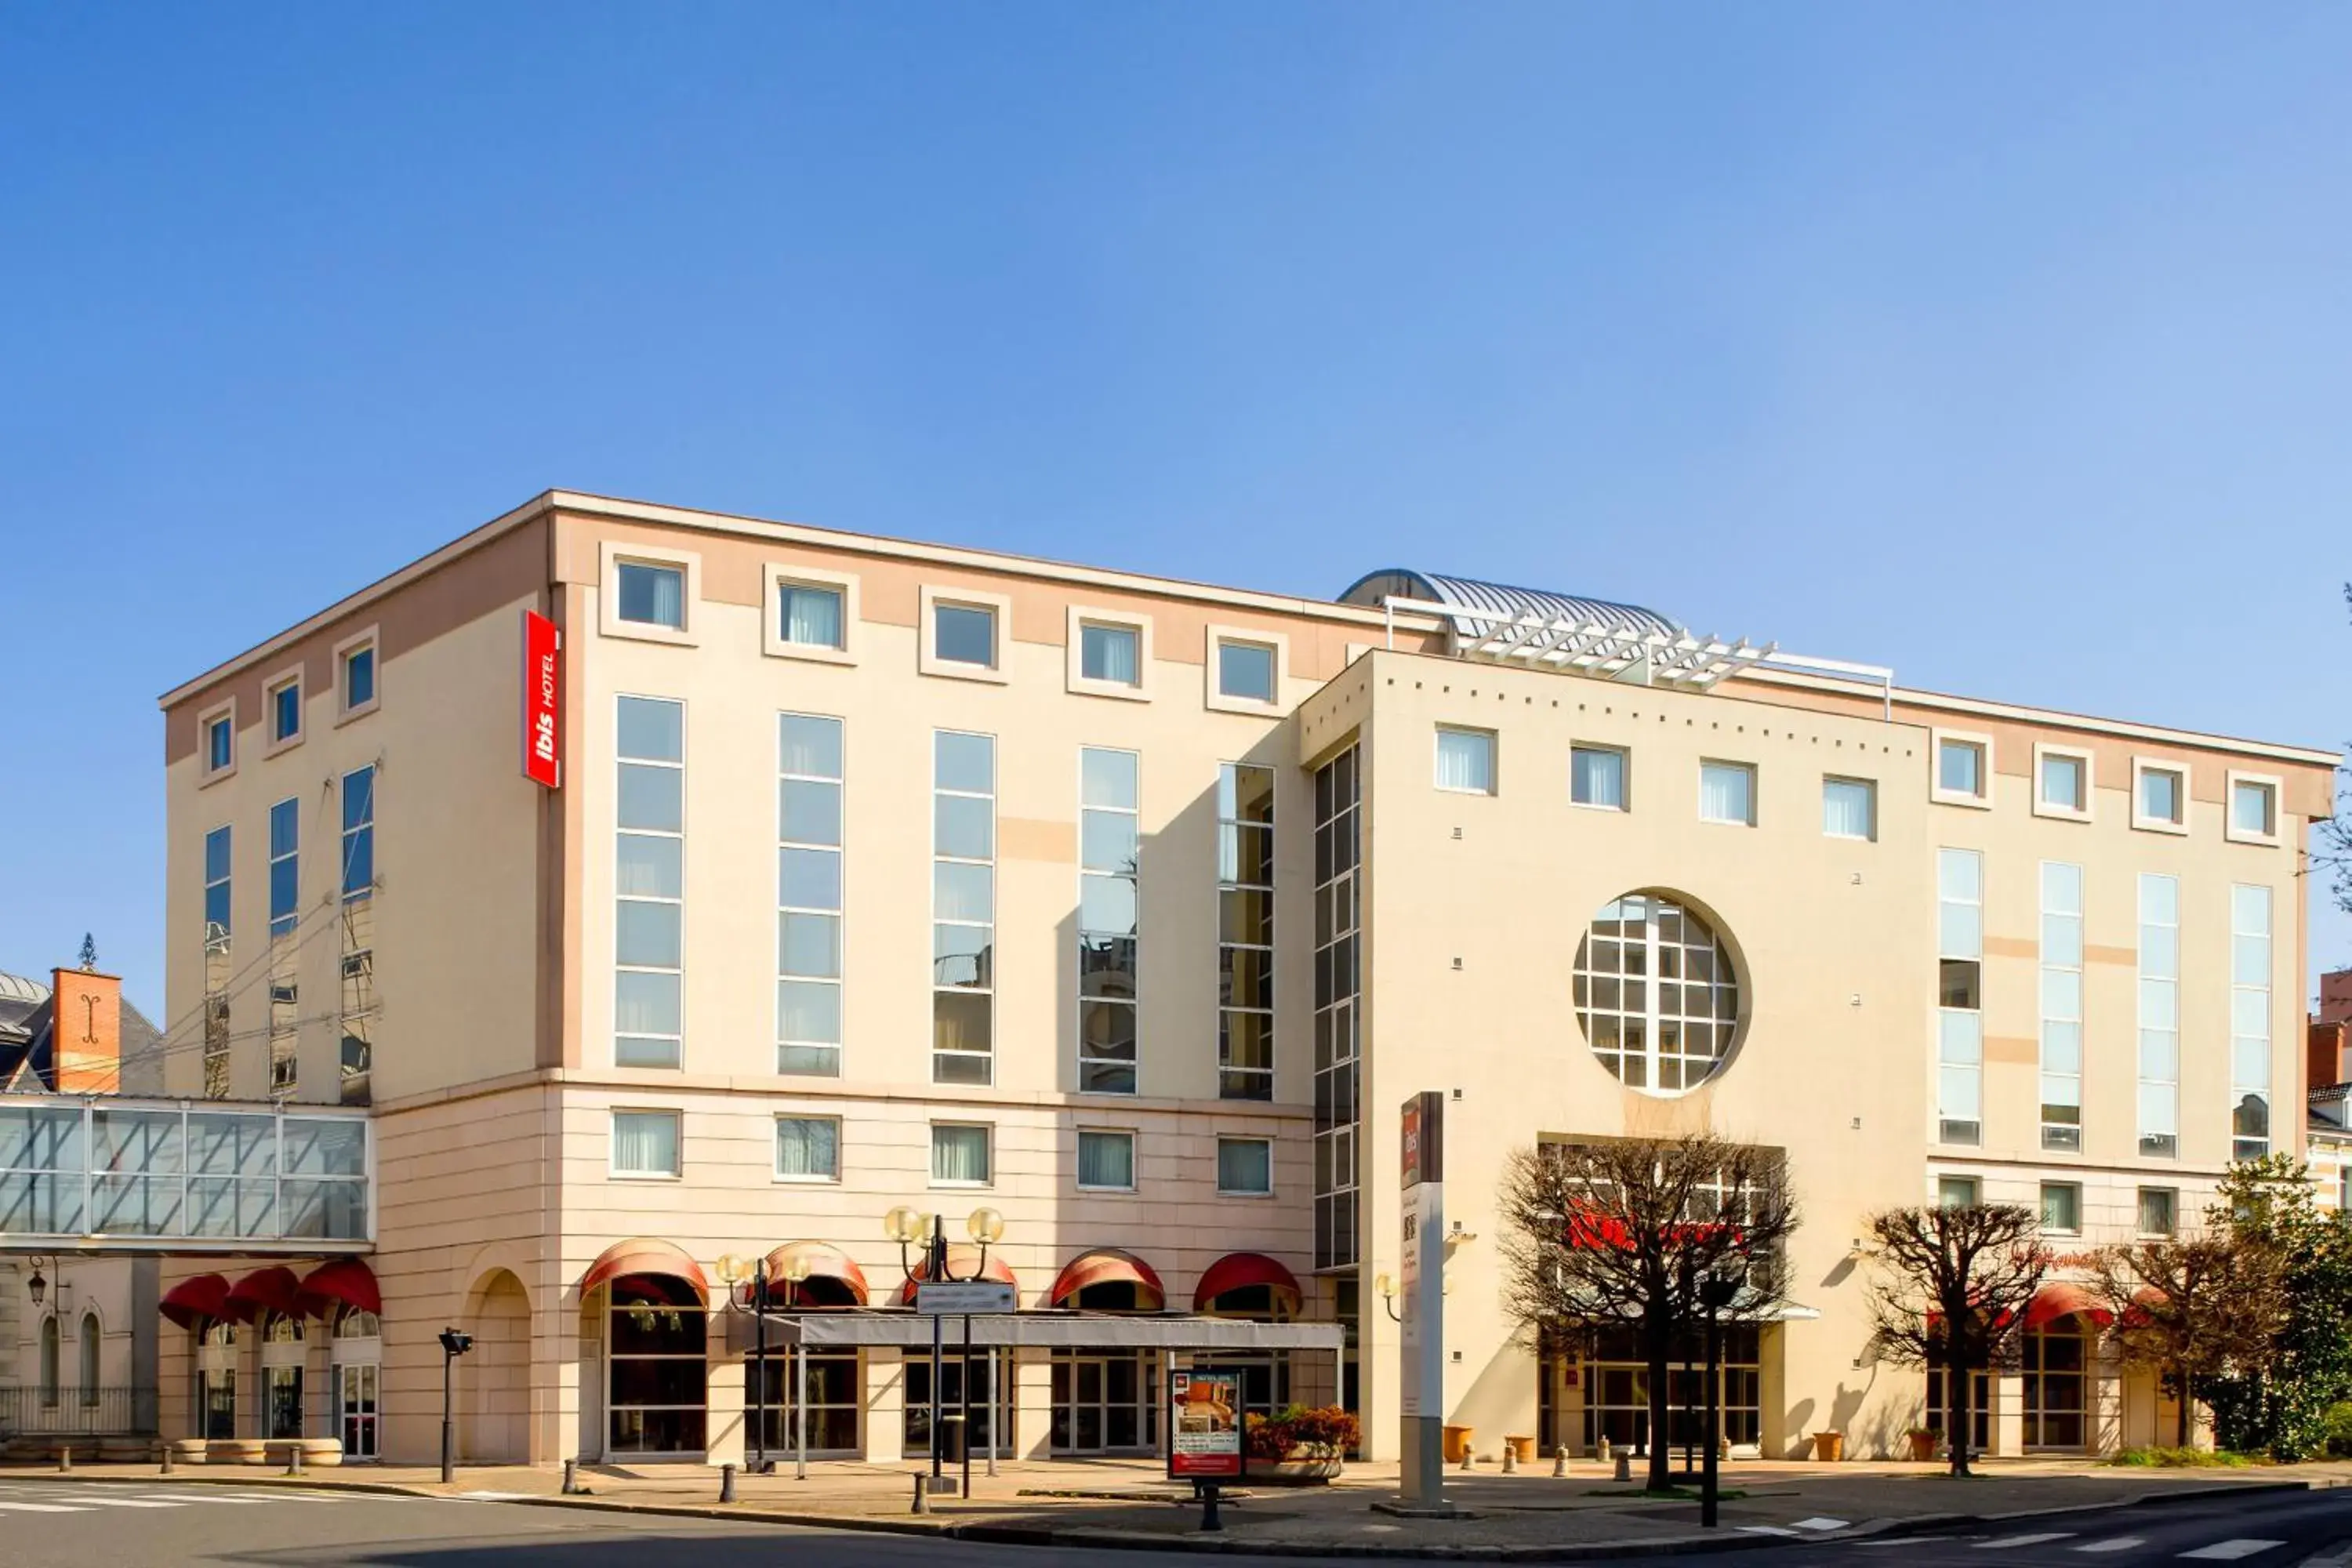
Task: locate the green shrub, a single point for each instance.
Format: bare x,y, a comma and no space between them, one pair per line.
2181,1458
2337,1427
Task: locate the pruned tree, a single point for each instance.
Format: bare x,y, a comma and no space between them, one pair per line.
1950,1291
2277,1404
1627,1231
2195,1308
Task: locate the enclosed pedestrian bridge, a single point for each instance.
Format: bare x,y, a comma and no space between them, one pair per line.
104,1174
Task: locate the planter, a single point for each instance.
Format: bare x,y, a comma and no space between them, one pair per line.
1523,1450
1829,1447
188,1450
1292,1473
316,1451
126,1451
1456,1442
233,1451
1922,1447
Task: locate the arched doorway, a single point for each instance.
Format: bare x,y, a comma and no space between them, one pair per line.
657,1393
494,1405
283,1352
358,1356
216,1380
2057,1356
1106,1401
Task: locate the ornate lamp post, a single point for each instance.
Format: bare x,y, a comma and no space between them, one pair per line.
908,1227
748,1283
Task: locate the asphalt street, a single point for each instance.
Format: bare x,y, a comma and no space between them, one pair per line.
66,1524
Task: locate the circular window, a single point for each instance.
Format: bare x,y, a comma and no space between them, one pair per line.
1658,993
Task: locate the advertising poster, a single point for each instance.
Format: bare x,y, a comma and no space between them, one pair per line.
1205,1425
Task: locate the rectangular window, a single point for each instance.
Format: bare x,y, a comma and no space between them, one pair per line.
1245,931
356,998
1596,776
1727,793
218,860
1338,909
2254,808
964,634
1113,655
2066,781
645,1143
808,616
1959,1043
1960,768
808,1148
2160,1017
1849,808
1466,760
1246,1167
1109,840
285,916
1107,1162
649,884
358,834
808,894
959,1155
2158,1211
285,866
358,677
964,907
652,595
2062,1006
286,712
2163,796
2250,1022
220,743
1246,670
1959,1192
2061,1207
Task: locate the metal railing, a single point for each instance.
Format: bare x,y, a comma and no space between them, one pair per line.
29,1412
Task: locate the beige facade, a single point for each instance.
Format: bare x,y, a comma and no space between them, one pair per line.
468,987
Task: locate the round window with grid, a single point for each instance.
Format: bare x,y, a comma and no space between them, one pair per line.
1657,993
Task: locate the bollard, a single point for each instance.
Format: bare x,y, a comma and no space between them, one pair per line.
65,1458
922,1496
167,1457
1468,1458
571,1477
1511,1461
1559,1462
1624,1464
1209,1520
294,1459
726,1483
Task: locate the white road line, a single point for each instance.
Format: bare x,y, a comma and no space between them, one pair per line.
205,1494
2004,1542
1823,1524
1765,1530
2231,1551
2113,1543
102,1500
7,1507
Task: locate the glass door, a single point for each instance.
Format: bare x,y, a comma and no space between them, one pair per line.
355,1408
1106,1404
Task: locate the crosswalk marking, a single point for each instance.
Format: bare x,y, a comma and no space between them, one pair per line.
2231,1551
95,1499
38,1507
208,1494
1765,1530
2004,1542
1821,1523
2113,1543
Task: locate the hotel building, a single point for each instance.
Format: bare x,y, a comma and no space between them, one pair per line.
664,888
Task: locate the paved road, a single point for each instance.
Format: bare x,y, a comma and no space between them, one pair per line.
65,1524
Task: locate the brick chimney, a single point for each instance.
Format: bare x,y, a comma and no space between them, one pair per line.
2335,997
86,1031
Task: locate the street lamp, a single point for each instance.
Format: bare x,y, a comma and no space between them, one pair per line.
1715,1293
453,1344
907,1227
1384,1286
736,1271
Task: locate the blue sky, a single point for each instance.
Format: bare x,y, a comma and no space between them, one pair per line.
2007,346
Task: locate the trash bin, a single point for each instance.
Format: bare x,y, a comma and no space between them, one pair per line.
951,1438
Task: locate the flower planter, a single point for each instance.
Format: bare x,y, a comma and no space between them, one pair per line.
1922,1447
188,1450
1456,1442
1523,1450
1292,1473
1829,1447
233,1451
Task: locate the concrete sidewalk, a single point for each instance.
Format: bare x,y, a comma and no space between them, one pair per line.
1530,1516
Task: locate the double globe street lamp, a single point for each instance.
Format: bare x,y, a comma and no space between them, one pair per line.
747,1282
910,1228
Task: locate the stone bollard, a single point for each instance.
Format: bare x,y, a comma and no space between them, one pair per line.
571,1477
167,1456
1469,1459
1511,1461
294,1459
1559,1462
726,1483
922,1493
65,1458
1624,1464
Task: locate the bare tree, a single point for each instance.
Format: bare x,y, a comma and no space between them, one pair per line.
1951,1290
1624,1232
2195,1308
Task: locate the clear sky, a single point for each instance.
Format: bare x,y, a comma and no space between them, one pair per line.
2008,345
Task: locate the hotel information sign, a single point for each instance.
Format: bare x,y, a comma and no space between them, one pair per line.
1421,1269
542,673
1205,1425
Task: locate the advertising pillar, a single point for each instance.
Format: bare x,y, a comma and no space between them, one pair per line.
1421,1303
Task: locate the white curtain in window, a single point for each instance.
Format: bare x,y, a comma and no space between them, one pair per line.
1598,778
1465,760
646,1141
669,596
646,1003
1723,793
1106,1160
1845,808
812,617
1110,654
960,1153
812,745
1243,1166
808,1146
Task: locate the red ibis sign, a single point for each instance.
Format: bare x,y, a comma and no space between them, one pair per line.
542,697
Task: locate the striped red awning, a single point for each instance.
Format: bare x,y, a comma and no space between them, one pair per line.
271,1290
1239,1271
646,1255
1108,1265
961,1260
346,1282
191,1302
834,1278
2063,1300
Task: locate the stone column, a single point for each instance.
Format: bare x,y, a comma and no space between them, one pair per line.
885,1406
1033,1414
2009,1415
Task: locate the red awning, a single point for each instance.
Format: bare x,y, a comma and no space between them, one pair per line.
347,1281
961,1262
2058,1300
644,1255
271,1290
1239,1271
2146,1296
198,1300
834,1278
1108,1265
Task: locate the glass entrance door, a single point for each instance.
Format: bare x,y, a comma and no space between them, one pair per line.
355,1408
1980,1408
1106,1404
1617,1392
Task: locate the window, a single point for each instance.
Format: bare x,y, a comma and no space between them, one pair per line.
1109,844
808,894
355,675
1656,990
2160,1017
1246,1167
216,886
1959,1192
651,596
52,1353
964,634
2158,1211
959,1155
1960,1019
1849,808
2061,1207
2062,1006
285,917
220,743
649,885
2160,796
285,866
1245,931
286,712
964,907
808,616
356,996
1963,768
1596,776
1727,793
2254,808
1111,654
1466,760
2061,782
2250,1022
358,834
1246,671
1338,909
218,900
808,1148
644,1143
90,1347
1107,1162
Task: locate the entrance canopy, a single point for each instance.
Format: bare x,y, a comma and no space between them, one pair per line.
646,1255
2063,1300
1039,1330
834,1278
1108,1265
1241,1270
